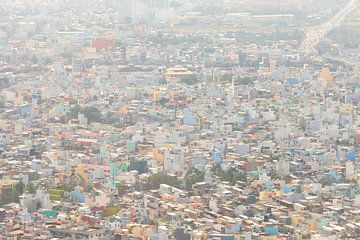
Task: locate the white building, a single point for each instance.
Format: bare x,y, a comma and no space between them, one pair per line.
174,161
350,169
33,202
282,168
127,10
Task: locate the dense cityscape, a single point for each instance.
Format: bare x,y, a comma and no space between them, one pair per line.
184,120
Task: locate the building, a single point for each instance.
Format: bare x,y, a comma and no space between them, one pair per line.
103,43
127,10
79,233
77,65
174,75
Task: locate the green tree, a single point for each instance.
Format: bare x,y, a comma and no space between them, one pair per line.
227,77
97,185
154,181
93,114
274,157
190,80
10,195
326,181
163,101
30,188
231,175
65,187
193,176
72,113
95,151
20,187
246,80
122,187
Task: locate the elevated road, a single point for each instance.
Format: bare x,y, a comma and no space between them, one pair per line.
315,35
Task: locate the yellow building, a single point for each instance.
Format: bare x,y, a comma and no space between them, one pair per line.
7,183
158,155
174,75
296,219
327,77
264,195
312,225
80,171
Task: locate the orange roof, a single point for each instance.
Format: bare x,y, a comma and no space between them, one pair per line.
89,134
84,140
123,111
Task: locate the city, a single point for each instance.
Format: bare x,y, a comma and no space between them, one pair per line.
185,120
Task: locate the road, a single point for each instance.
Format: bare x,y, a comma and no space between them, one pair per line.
314,36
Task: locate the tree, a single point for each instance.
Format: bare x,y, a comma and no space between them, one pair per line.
30,188
20,187
227,77
189,80
72,113
163,101
274,157
95,151
122,187
12,194
93,114
193,176
246,80
97,185
2,104
65,187
231,175
154,181
353,182
68,145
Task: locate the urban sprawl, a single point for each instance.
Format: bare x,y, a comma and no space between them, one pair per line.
184,120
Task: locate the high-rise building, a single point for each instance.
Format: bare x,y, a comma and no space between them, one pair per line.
59,72
13,58
121,6
242,59
143,56
127,10
77,65
158,3
123,54
132,10
157,7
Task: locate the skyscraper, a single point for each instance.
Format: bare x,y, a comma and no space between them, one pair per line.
242,59
121,7
158,3
132,10
127,10
77,65
123,54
